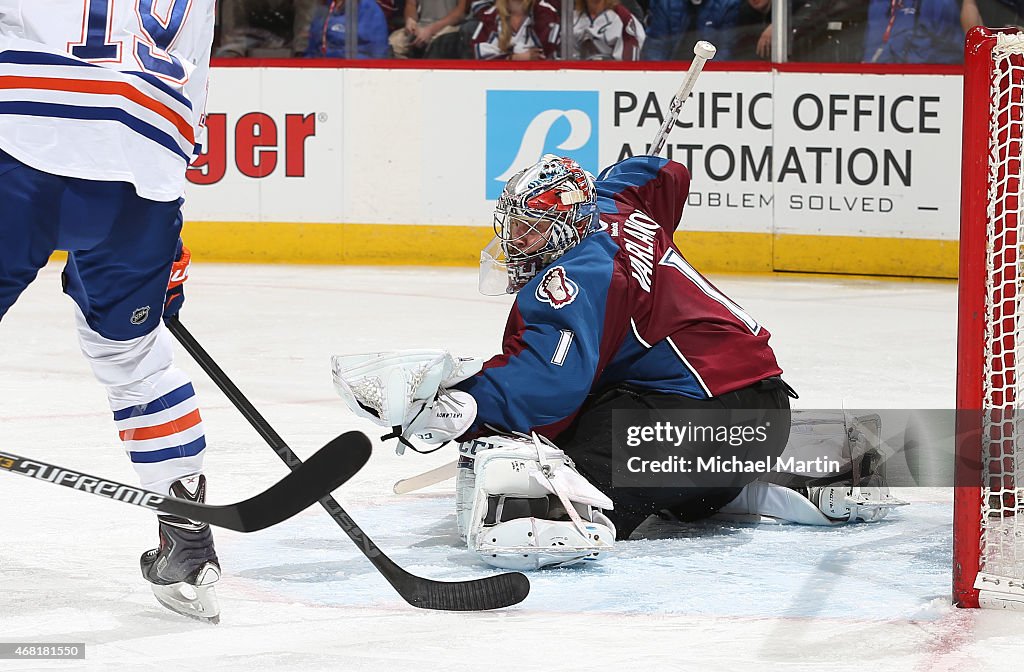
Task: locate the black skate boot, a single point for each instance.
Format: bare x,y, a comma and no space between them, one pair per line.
183,569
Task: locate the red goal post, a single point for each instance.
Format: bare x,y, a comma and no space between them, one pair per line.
988,520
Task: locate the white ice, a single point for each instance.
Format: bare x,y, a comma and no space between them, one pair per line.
300,596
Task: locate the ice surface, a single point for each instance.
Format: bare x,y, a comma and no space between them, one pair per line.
299,596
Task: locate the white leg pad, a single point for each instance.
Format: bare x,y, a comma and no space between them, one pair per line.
774,501
522,505
829,505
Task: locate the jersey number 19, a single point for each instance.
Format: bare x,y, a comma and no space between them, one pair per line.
159,32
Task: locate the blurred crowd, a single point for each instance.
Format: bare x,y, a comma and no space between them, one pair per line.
846,31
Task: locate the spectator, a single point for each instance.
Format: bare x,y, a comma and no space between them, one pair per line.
824,31
914,31
674,26
992,13
425,21
518,30
754,38
328,31
264,28
605,30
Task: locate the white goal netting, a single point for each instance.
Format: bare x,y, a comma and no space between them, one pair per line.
1002,519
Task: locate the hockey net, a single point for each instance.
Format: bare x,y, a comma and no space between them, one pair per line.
989,501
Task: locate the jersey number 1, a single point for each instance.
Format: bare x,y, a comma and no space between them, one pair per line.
676,261
150,50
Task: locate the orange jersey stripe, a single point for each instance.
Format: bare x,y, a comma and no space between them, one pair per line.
160,431
101,87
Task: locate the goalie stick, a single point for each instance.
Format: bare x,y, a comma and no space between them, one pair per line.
492,592
702,53
427,478
327,469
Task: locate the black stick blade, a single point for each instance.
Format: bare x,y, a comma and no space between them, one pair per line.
326,470
493,592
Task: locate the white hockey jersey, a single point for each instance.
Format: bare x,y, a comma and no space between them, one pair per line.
111,90
614,34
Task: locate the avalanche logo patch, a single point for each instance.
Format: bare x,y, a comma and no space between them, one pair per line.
140,315
557,289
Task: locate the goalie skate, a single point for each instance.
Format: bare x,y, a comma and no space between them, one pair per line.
183,569
868,503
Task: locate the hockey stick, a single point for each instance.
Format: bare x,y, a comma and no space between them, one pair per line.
427,478
702,53
492,592
329,467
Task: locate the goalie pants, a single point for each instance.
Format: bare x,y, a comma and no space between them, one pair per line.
589,443
120,248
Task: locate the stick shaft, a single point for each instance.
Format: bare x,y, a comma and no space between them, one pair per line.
696,66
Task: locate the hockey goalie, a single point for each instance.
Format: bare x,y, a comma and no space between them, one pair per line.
608,316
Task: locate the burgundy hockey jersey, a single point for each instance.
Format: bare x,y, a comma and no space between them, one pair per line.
621,308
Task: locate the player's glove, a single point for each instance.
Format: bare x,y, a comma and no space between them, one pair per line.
176,283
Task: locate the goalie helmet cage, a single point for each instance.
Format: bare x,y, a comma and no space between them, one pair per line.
988,519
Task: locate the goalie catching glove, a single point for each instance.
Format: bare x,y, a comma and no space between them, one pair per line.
407,391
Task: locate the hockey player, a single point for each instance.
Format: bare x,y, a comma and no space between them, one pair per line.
100,111
608,316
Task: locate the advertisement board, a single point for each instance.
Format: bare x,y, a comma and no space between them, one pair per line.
841,172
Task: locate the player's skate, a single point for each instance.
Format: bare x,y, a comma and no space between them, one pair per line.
183,569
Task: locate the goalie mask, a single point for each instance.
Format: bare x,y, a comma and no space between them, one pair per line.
543,212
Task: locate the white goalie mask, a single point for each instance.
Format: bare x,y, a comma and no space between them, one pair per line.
544,211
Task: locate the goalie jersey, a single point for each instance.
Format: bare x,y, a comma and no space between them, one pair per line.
109,90
623,308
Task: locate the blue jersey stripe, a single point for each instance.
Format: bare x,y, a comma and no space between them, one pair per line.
188,450
40,58
169,400
63,111
157,84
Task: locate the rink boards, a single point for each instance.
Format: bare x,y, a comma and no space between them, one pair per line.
846,171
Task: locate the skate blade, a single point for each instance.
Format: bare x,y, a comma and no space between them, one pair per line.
196,602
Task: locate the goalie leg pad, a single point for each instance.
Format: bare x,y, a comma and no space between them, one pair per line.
777,502
522,505
835,504
857,492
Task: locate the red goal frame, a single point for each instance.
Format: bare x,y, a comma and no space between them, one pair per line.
972,424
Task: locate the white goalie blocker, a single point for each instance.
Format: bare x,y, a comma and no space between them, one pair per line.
843,486
521,505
